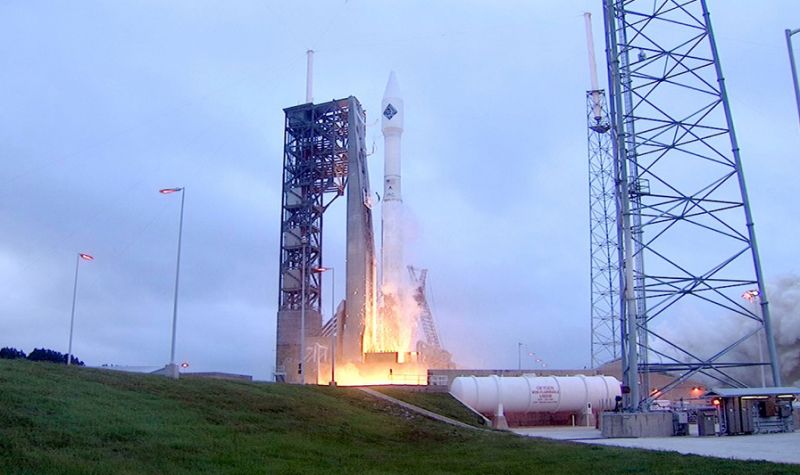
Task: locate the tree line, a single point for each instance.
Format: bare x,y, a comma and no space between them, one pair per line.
38,354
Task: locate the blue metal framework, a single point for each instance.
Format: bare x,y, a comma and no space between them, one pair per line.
684,206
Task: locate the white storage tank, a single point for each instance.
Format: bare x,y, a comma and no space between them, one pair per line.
523,394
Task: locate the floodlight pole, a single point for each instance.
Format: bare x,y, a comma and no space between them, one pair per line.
177,280
333,315
72,317
172,368
302,371
789,34
752,296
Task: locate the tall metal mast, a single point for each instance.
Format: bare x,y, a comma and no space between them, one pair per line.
603,239
684,205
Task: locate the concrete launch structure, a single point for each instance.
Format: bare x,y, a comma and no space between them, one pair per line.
361,283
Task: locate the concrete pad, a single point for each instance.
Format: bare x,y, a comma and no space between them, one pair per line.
780,448
636,424
575,433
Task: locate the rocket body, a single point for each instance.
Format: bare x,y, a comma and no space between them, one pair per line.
392,112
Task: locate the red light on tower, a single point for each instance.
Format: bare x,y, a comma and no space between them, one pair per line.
86,257
166,191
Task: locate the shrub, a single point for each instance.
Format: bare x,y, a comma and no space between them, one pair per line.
43,354
11,354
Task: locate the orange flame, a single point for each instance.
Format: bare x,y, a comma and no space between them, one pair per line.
388,344
379,374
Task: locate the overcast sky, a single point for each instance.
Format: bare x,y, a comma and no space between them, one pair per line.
104,102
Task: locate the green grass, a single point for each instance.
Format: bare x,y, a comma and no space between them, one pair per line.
440,403
55,419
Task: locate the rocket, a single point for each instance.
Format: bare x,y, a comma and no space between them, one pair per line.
392,208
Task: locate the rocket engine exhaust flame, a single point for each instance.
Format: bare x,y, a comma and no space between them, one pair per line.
390,334
396,323
389,340
379,373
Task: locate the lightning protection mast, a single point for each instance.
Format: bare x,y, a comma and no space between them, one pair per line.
684,206
603,209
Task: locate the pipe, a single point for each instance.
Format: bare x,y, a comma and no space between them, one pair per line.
630,368
792,64
592,66
309,75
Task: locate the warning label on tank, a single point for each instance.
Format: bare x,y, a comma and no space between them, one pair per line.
545,394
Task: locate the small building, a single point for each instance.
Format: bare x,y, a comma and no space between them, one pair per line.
754,410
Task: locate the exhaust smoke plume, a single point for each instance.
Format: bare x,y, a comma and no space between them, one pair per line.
703,335
396,326
784,300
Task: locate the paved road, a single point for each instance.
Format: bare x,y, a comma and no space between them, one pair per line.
419,410
781,448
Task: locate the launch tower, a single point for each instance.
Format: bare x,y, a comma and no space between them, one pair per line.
688,240
603,231
323,147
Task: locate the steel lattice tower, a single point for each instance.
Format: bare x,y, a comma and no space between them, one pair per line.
315,165
603,241
419,278
684,206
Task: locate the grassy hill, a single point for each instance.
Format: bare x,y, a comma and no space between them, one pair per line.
440,403
55,419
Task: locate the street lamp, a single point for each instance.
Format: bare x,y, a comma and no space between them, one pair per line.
81,257
333,314
752,296
301,368
172,368
538,362
789,34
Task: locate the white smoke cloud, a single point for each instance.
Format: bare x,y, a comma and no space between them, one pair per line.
704,336
401,331
784,300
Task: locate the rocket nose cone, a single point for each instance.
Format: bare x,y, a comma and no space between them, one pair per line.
392,88
392,107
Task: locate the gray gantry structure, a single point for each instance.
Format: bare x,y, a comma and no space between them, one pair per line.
419,278
321,144
430,348
603,233
684,206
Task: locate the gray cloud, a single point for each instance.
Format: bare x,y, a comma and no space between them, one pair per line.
105,103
